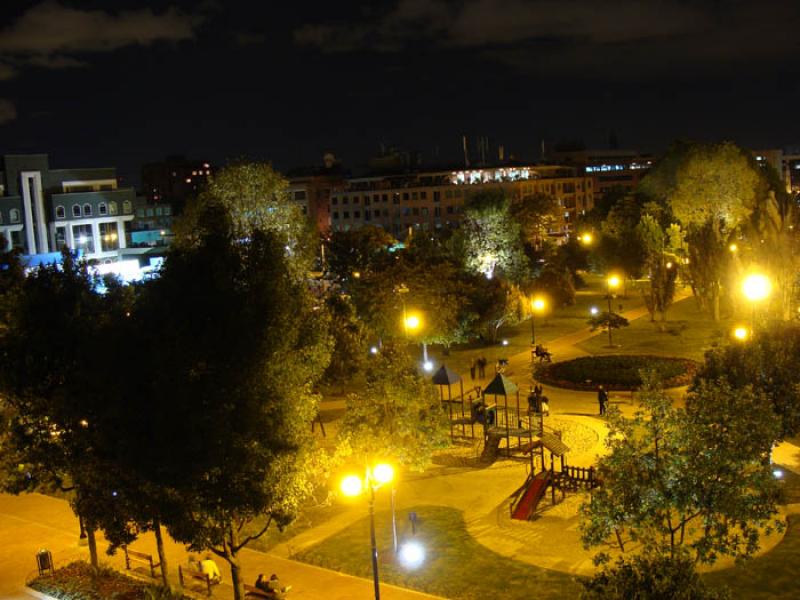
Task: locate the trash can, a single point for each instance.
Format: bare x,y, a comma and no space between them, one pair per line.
44,561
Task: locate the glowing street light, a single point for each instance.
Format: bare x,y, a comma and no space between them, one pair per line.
412,554
538,304
593,311
353,485
586,239
741,333
733,248
412,322
756,287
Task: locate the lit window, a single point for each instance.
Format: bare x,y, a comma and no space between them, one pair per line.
188,180
127,207
194,173
61,212
112,208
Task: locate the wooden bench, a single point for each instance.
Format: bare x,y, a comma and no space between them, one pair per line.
251,590
184,573
142,558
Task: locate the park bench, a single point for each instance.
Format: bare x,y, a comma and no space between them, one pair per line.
184,573
142,558
251,590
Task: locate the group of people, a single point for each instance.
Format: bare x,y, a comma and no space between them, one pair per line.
271,587
538,402
478,367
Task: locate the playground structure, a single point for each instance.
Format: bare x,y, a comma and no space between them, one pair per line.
463,409
514,432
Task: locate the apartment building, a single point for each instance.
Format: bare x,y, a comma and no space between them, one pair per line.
175,180
313,187
431,200
609,169
43,209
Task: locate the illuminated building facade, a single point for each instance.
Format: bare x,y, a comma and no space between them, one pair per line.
43,209
175,180
609,169
432,200
313,187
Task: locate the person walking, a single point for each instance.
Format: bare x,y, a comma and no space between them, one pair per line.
602,399
472,368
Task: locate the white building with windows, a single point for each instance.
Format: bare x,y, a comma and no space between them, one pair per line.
43,209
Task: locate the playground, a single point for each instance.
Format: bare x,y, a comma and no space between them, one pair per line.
506,497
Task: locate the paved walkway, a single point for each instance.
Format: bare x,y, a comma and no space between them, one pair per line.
34,521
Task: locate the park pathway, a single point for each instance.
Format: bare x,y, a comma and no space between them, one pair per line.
33,521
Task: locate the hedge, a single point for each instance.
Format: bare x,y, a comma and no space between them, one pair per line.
617,372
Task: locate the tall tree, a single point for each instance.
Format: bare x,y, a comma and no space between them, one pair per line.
50,380
349,335
492,238
255,197
398,416
694,483
767,363
662,261
536,215
711,189
357,251
232,379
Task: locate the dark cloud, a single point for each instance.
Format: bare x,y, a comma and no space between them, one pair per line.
8,112
246,38
51,34
574,33
7,71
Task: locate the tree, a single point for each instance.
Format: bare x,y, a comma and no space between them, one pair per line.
768,363
694,483
398,416
492,237
357,251
556,283
501,304
228,416
661,263
256,198
649,578
349,354
536,215
52,352
711,189
608,321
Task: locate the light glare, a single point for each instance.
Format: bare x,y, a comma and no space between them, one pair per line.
756,287
412,555
383,473
351,485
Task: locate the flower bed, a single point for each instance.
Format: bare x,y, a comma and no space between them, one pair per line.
80,581
618,372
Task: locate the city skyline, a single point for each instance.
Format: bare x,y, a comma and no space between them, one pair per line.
125,85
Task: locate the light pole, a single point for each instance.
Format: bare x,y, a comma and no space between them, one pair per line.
353,485
612,283
412,322
537,304
756,287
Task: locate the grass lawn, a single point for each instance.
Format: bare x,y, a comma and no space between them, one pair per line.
310,516
456,566
689,334
549,326
770,576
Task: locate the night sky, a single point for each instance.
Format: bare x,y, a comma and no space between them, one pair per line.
112,83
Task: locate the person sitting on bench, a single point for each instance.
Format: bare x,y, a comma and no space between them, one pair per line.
210,568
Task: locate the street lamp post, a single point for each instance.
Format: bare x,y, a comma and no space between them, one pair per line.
537,304
612,283
352,485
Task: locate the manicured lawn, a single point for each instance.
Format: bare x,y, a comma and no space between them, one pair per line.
310,516
689,333
772,576
456,566
556,322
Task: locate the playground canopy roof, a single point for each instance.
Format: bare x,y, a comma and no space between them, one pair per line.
445,376
501,386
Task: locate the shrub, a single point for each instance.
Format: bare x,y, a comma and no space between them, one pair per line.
80,581
617,372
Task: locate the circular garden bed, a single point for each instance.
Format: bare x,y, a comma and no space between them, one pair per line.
617,372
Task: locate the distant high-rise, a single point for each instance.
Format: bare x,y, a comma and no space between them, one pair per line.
175,180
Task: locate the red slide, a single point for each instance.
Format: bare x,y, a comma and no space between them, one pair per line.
530,499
